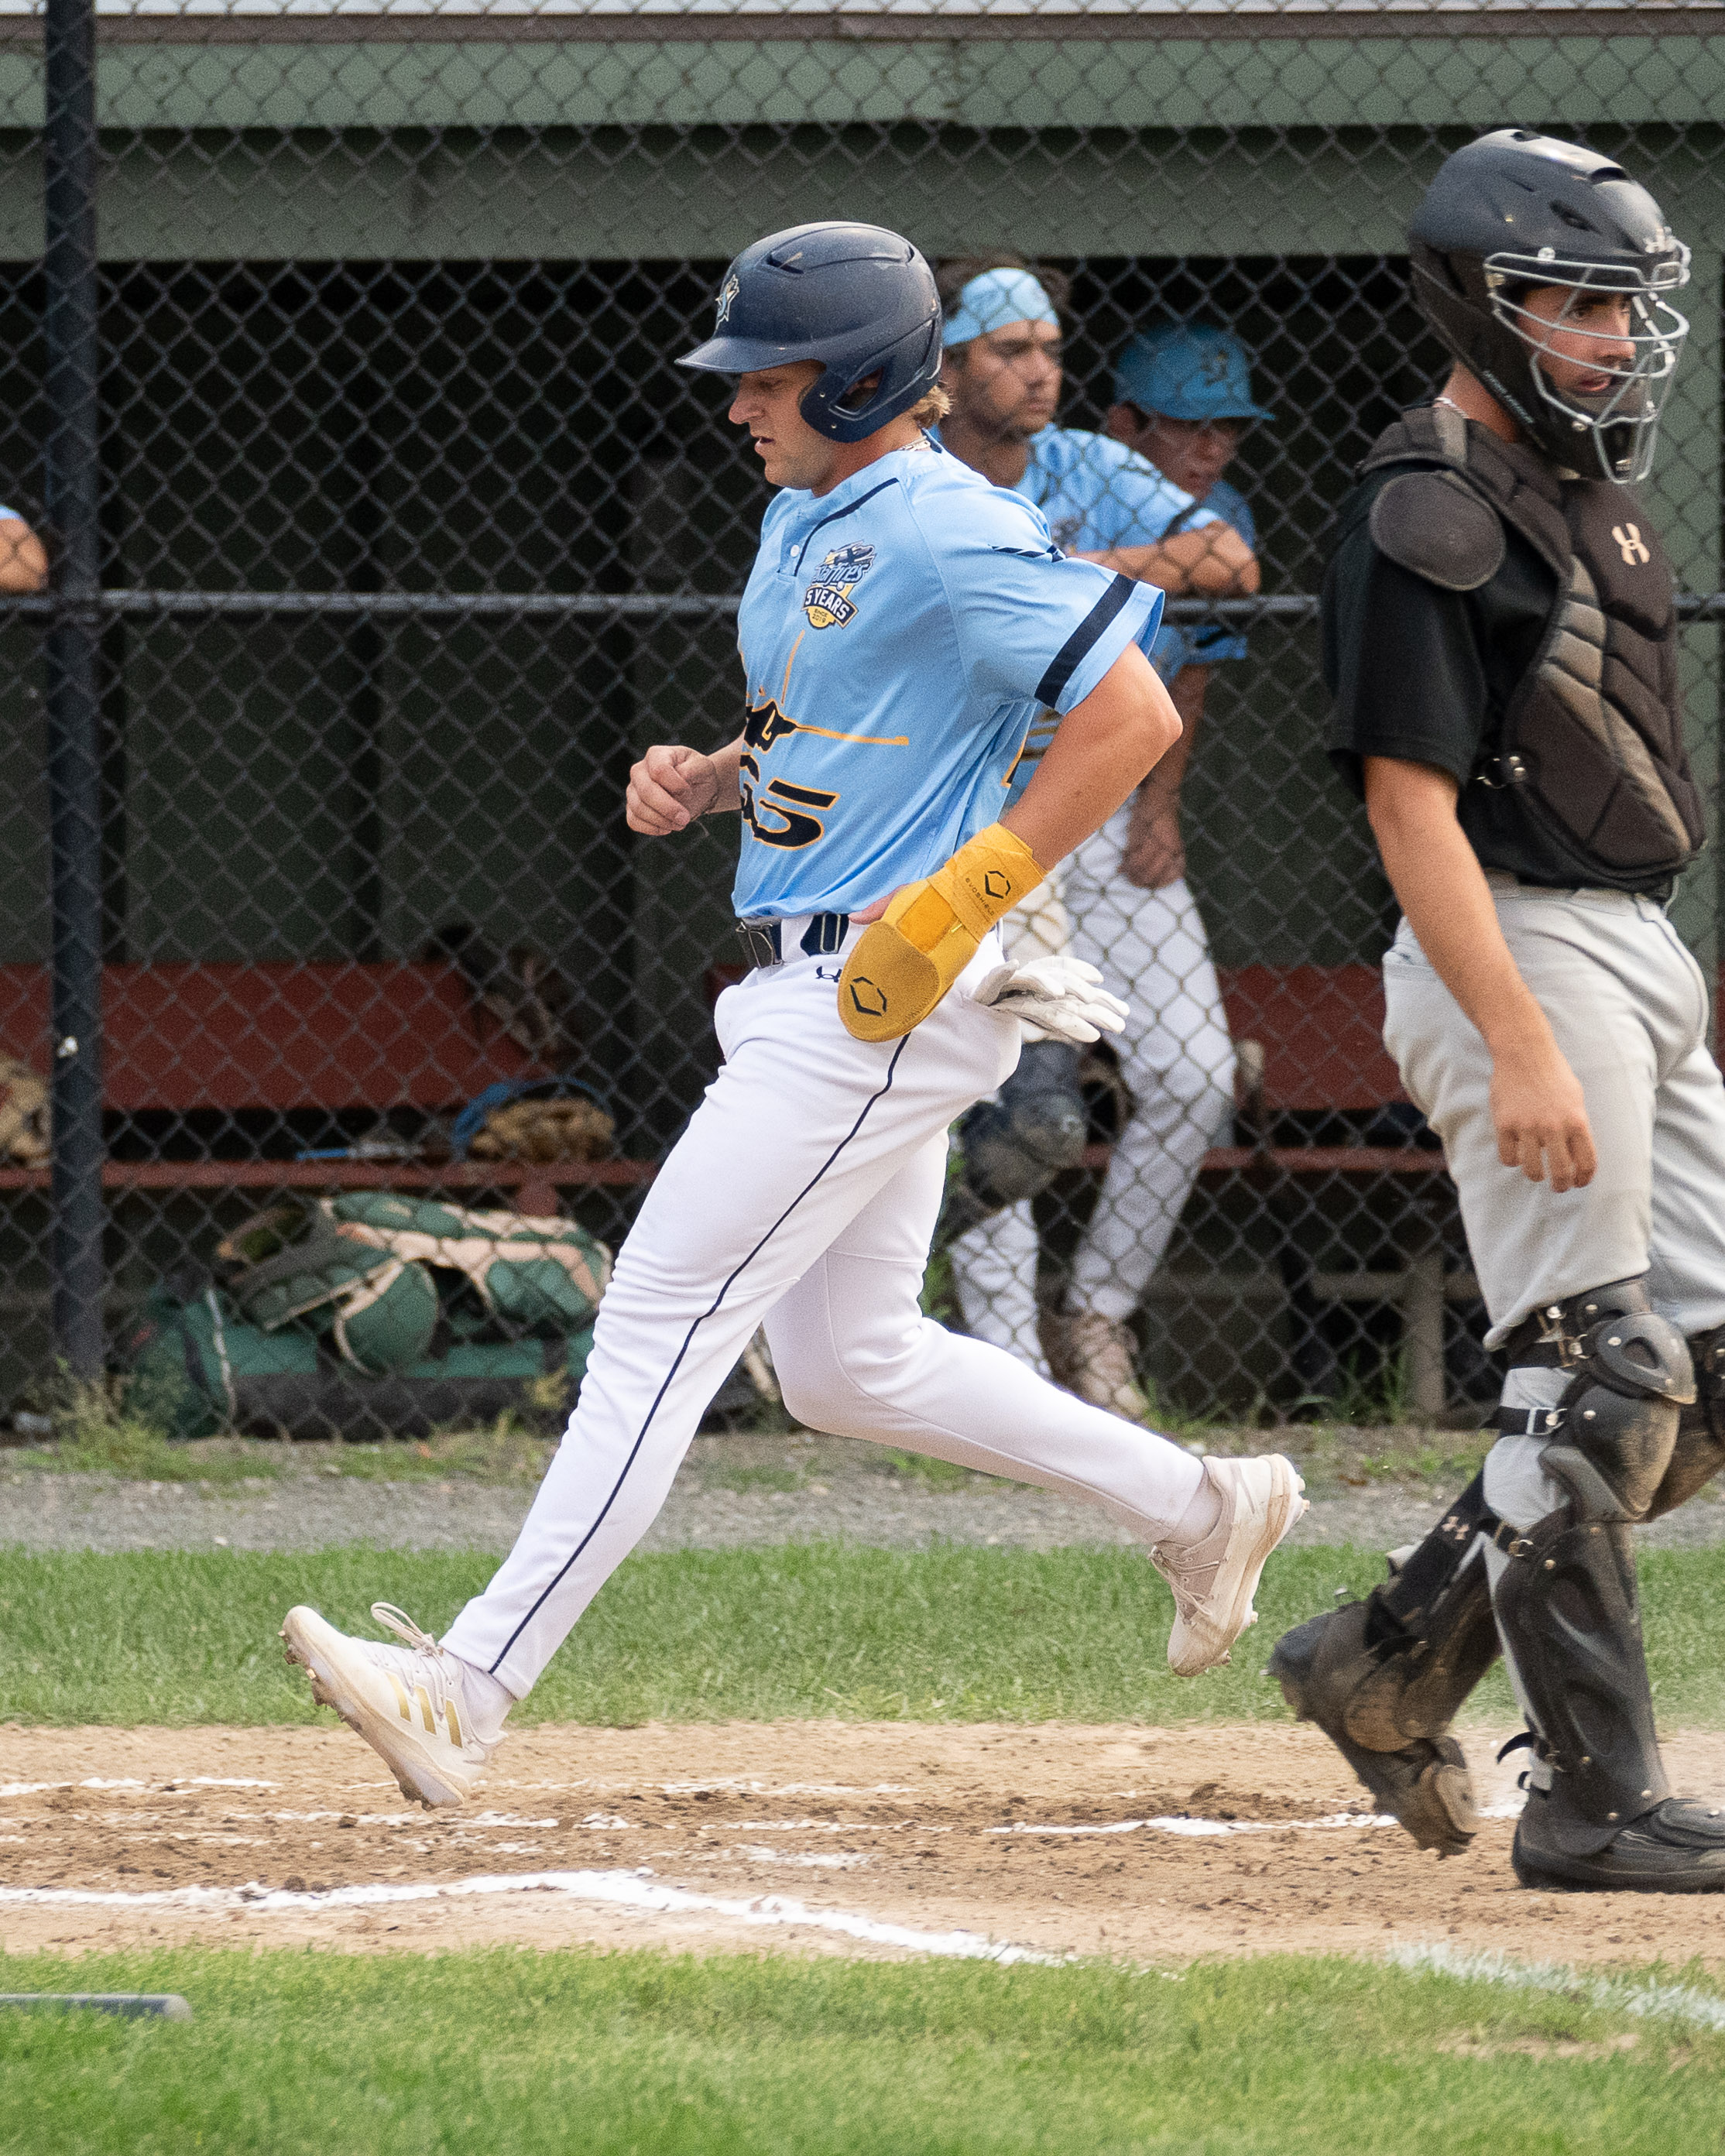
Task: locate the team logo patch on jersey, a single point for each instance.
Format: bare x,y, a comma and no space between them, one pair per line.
826,601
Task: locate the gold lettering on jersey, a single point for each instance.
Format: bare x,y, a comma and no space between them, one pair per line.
826,601
765,723
1633,547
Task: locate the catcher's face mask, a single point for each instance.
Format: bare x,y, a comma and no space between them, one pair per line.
1601,373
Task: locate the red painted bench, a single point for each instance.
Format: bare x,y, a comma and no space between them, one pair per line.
185,1037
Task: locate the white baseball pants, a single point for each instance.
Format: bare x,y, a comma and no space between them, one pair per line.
803,1193
1628,1007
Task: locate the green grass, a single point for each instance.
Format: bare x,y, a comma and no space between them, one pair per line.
512,2054
934,1473
137,1452
953,1634
783,1480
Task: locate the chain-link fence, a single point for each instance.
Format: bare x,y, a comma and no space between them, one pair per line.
410,535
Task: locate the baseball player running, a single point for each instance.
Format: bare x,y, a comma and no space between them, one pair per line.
1499,636
1002,343
903,623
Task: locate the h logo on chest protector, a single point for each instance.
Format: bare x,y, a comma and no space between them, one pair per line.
1631,545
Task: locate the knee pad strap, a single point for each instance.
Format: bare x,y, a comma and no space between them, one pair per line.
1611,1435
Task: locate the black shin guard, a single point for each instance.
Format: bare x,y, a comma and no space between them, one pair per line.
1429,1632
1566,1601
1383,1678
1566,1606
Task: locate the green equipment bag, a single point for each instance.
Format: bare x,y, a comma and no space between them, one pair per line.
393,1283
371,1309
192,1353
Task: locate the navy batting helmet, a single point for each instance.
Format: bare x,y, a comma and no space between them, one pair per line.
859,299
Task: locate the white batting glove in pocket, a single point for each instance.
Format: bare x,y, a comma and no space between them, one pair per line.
1064,997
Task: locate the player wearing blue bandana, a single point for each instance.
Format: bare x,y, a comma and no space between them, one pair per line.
1127,908
902,625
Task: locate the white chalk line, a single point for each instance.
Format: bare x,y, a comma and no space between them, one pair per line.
1180,1824
610,1823
632,1890
1644,1997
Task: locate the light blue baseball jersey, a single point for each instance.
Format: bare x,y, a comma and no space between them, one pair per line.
1096,493
898,635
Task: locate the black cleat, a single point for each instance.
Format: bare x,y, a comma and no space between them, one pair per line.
1321,1666
1677,1848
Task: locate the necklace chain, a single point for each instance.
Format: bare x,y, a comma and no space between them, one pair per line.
1450,402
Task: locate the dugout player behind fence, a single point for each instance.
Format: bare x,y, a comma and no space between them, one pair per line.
1500,637
23,560
903,624
1184,400
1105,503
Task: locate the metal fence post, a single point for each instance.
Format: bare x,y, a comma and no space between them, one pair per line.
73,489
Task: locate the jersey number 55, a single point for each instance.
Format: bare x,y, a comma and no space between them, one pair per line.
778,813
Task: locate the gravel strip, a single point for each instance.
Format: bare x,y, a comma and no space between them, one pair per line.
841,1489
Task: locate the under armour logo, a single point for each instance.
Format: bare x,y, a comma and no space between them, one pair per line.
730,290
1632,546
827,973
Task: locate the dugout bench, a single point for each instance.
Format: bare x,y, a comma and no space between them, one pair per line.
185,1040
1310,1043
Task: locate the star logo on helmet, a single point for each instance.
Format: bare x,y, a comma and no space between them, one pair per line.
728,293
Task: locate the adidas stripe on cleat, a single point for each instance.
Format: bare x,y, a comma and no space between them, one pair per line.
407,1702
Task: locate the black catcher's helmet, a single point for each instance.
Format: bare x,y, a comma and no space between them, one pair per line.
857,298
1516,212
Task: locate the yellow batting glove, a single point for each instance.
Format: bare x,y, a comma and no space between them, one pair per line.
905,961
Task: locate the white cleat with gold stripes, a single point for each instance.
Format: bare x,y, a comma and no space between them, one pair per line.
407,1702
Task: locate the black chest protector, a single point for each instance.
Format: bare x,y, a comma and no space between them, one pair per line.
1591,739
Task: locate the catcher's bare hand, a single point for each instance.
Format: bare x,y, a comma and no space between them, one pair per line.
668,790
1540,1116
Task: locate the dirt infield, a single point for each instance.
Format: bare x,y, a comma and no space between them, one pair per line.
1154,1845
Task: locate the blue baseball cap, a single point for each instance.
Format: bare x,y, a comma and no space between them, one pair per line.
1188,371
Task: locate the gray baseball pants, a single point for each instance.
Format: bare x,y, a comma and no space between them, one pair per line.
1628,1007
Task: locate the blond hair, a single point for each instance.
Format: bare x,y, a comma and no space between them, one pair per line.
930,407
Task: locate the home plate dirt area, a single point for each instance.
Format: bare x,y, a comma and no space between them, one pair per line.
877,1839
